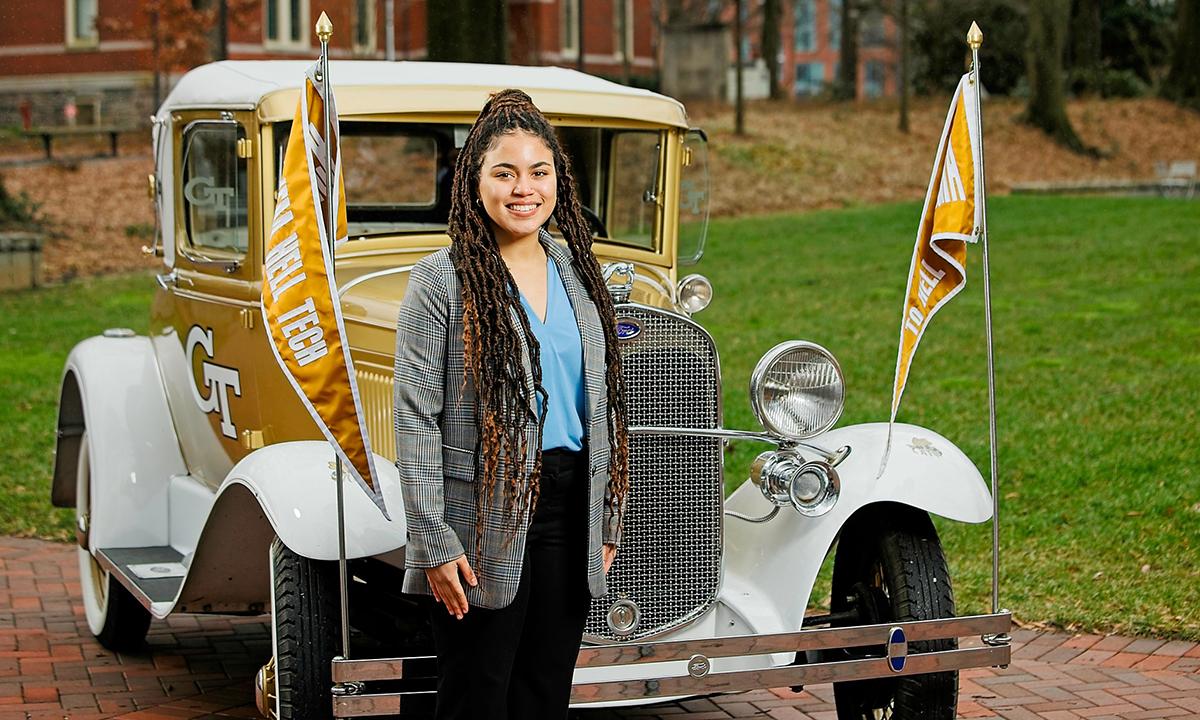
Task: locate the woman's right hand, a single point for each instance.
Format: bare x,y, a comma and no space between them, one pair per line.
447,589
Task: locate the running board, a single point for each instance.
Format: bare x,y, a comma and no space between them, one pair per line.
892,660
153,575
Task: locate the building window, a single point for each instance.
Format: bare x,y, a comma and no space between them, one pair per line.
81,23
286,23
835,24
806,25
364,26
872,29
810,79
875,76
623,29
569,28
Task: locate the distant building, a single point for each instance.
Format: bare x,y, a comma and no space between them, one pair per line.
812,33
95,62
810,44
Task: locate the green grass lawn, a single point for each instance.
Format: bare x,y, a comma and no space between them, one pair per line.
1096,312
1097,315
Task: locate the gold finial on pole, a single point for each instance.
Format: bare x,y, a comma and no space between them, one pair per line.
974,36
324,28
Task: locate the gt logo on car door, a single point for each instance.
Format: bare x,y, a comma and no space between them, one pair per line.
217,379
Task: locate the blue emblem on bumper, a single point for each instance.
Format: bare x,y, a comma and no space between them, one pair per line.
897,649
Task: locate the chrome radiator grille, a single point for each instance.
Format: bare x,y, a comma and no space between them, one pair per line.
669,562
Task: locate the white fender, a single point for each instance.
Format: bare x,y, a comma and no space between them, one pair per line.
781,558
113,385
293,482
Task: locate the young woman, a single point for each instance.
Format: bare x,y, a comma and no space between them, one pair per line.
510,425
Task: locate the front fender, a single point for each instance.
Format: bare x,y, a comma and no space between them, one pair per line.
112,388
293,482
780,559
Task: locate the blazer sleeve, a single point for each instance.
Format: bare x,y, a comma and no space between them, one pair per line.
421,335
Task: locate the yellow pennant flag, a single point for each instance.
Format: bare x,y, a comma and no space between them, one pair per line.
950,219
300,304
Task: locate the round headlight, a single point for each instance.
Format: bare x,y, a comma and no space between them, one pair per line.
797,390
695,293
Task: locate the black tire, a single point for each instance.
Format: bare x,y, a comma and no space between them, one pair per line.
306,621
113,614
889,565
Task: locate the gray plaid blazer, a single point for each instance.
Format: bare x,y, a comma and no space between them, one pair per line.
436,436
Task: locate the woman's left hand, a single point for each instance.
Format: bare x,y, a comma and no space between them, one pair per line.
610,554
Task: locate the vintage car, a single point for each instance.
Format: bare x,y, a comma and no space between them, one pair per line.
201,484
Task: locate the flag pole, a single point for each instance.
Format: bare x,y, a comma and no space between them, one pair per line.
975,40
324,33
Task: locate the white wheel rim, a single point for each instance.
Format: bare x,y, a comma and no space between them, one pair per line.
93,579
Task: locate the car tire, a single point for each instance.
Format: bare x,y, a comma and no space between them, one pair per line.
113,614
890,567
304,632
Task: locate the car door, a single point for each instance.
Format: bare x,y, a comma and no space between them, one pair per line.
207,318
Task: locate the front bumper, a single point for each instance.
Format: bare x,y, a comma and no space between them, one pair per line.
352,676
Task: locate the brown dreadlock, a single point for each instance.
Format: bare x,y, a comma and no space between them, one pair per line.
491,344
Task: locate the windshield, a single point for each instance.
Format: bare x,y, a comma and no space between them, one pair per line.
398,177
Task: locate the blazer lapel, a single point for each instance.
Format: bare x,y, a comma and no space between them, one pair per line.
587,318
526,365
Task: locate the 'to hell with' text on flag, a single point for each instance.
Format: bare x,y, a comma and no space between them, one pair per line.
952,217
300,305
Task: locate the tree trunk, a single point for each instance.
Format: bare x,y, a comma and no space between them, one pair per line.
1183,80
483,39
770,44
845,87
739,102
1085,46
1047,108
903,81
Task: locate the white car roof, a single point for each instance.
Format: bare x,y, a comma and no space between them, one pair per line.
372,86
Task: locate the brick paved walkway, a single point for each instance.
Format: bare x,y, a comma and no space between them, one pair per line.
50,667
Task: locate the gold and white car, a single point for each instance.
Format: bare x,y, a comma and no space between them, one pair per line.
201,484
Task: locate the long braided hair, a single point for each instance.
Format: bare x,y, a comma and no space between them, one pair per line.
492,345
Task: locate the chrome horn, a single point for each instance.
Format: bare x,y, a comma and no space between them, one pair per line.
784,477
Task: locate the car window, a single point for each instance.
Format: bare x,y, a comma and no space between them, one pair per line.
390,169
634,185
214,187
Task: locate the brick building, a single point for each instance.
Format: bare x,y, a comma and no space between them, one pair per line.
812,33
90,62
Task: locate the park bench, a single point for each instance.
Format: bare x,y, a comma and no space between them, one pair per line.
1177,177
49,133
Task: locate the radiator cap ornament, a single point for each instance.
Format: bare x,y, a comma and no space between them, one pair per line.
624,616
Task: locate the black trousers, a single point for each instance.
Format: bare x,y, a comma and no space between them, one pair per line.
516,662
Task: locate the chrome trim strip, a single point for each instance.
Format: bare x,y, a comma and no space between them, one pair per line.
215,299
731,646
822,639
367,670
789,675
367,705
372,275
833,456
734,681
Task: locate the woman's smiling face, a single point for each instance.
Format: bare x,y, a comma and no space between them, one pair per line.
517,185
